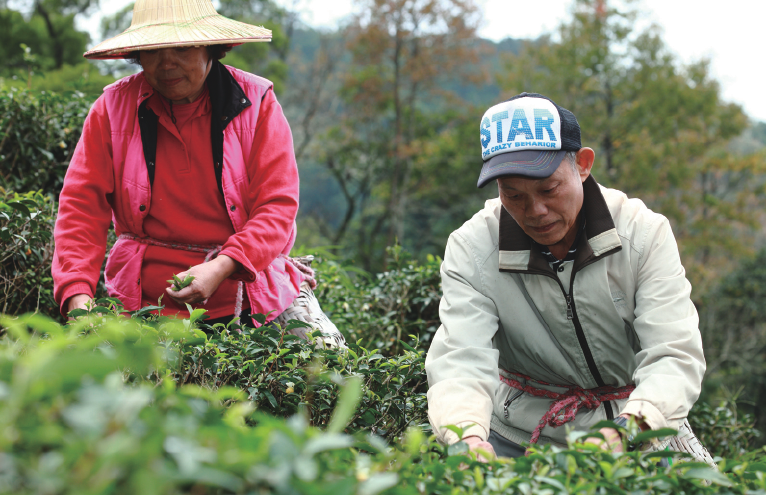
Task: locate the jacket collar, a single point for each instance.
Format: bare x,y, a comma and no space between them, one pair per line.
145,90
517,253
227,98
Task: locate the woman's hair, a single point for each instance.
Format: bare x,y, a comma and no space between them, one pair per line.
215,52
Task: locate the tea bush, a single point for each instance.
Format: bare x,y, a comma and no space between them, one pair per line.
282,373
385,309
38,135
725,430
26,251
79,415
99,406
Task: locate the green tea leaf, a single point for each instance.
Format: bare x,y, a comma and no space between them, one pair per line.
20,207
649,434
347,402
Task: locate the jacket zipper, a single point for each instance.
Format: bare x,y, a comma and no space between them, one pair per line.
572,315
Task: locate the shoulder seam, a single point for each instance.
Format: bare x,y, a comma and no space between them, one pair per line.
479,266
650,227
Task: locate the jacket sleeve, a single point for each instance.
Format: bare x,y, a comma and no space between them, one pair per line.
84,212
461,363
272,195
671,364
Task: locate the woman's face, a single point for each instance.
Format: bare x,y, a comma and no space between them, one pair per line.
178,74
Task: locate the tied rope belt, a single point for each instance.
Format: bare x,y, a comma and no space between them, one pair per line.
566,404
211,250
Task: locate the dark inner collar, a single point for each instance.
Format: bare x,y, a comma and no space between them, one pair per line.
546,251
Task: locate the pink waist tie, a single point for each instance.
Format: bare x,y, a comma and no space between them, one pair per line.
211,250
566,404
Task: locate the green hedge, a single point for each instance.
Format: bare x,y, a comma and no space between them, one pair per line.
38,135
118,405
387,309
26,252
280,373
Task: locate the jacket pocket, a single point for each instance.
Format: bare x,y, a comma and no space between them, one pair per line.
507,400
276,288
513,394
122,275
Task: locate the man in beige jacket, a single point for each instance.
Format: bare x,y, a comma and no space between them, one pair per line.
564,302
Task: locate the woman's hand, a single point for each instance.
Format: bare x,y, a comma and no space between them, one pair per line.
207,277
77,301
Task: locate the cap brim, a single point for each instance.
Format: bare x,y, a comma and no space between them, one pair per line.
533,164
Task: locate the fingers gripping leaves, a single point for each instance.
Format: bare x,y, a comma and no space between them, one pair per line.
178,284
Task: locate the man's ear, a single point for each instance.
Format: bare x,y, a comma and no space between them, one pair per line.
585,159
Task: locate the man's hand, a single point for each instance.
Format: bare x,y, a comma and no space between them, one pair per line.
78,301
207,277
612,439
476,443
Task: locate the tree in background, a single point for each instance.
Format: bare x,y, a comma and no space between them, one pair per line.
265,59
393,115
48,28
58,16
660,130
50,33
42,49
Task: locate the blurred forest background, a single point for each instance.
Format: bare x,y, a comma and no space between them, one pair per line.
385,110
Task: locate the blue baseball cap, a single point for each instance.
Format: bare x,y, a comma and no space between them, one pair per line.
528,136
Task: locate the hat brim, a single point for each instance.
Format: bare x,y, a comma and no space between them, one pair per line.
533,164
209,30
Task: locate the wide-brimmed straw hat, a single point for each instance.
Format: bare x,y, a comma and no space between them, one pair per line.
175,23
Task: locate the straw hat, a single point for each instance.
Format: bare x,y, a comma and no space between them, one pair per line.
172,23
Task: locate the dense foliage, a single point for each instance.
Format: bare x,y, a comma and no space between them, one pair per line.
726,431
384,309
26,252
734,333
141,403
146,404
38,135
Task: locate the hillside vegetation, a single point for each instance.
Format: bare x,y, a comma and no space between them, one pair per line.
135,403
384,112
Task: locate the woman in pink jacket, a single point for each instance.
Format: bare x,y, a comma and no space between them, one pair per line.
193,162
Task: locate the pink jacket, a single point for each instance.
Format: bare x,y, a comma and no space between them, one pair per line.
108,179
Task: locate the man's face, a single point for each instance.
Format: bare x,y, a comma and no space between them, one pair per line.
547,209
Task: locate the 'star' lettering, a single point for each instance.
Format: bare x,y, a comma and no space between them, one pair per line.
498,117
486,135
519,125
543,120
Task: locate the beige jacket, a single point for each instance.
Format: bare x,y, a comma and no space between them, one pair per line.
504,308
